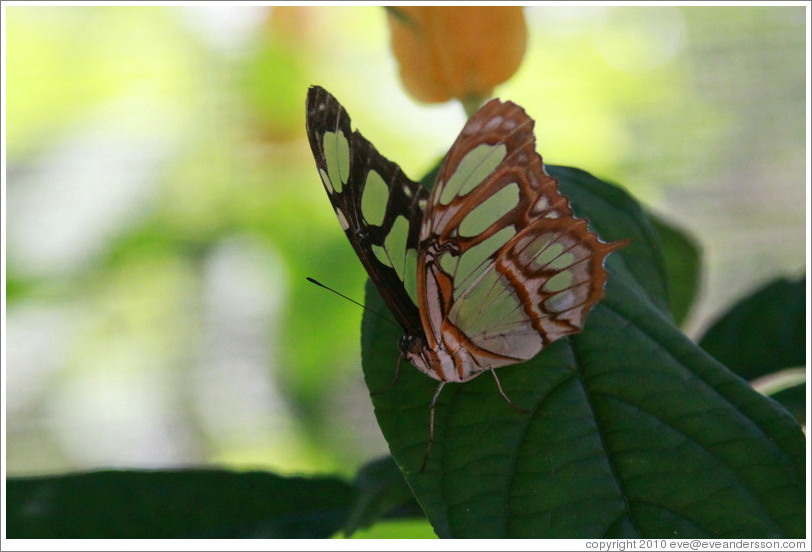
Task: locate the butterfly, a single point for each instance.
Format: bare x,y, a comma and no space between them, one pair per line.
483,271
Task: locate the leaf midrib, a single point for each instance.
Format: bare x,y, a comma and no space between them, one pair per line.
604,446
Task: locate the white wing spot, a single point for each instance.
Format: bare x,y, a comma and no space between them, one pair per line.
493,124
473,126
326,180
407,191
342,220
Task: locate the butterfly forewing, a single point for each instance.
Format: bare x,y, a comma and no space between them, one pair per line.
504,268
378,207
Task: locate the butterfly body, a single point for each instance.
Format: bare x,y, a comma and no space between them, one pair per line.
484,270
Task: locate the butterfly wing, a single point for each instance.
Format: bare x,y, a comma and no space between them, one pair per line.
504,267
378,207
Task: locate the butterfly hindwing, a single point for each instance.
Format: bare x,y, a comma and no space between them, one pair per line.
504,268
378,207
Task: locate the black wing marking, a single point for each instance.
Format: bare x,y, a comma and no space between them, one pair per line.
406,198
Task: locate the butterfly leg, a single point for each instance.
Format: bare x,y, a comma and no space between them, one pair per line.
394,380
431,425
501,392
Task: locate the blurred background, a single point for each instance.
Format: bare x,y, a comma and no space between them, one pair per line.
163,207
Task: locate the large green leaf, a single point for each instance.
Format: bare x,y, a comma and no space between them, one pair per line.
683,260
633,430
763,333
176,504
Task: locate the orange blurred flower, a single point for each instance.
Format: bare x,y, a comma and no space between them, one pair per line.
292,24
456,52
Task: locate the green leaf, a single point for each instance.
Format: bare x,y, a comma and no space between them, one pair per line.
381,492
762,333
684,265
176,504
633,430
793,399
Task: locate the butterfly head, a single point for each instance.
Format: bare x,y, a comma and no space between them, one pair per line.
438,361
414,348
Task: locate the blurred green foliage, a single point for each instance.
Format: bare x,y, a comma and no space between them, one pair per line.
164,209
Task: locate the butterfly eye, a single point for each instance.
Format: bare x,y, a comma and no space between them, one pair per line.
410,344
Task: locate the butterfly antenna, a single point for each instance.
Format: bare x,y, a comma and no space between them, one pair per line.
376,313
